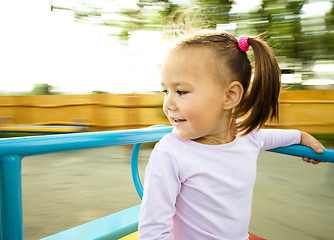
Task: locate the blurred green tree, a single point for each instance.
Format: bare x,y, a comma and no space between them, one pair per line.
148,15
41,89
329,18
99,92
216,11
299,39
280,20
329,38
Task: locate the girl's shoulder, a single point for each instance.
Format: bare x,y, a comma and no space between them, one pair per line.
174,145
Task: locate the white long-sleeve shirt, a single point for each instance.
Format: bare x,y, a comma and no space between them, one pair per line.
197,191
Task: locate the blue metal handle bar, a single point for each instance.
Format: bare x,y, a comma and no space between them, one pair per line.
27,146
293,150
135,171
303,151
134,163
12,150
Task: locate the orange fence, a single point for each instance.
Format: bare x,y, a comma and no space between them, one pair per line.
99,112
308,110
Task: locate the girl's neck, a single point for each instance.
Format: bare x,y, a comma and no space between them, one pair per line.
228,135
214,140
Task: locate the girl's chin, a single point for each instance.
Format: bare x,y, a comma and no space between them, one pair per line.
186,136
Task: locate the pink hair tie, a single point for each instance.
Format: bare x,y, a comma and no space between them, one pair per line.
243,43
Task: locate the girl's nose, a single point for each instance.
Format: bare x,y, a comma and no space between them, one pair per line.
169,103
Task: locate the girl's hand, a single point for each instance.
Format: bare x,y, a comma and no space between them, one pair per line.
309,141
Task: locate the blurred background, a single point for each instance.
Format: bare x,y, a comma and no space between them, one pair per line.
95,63
115,46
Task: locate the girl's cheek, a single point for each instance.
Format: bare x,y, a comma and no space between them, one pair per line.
165,111
188,108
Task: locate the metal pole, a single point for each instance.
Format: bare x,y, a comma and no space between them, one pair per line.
11,222
135,171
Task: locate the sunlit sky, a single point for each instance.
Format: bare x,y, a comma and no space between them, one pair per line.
40,46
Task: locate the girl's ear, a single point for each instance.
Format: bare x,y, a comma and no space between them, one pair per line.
233,95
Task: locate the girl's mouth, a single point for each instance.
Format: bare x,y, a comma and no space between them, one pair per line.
177,121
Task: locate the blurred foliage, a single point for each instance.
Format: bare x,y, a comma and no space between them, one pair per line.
301,40
298,38
99,92
285,28
41,89
147,15
329,21
326,139
281,20
217,11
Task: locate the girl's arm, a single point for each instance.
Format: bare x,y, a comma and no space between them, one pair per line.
273,138
161,187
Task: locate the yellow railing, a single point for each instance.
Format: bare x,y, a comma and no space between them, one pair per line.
308,110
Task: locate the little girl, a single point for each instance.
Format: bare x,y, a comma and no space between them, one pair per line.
200,178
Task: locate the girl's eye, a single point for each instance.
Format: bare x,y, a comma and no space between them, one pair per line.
180,92
165,91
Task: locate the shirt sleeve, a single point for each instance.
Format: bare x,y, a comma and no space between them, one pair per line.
161,187
273,138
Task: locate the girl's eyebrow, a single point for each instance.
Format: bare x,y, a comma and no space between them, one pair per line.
177,84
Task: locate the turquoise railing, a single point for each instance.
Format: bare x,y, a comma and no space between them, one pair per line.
13,150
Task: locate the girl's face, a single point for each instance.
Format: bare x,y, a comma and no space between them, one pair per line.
194,98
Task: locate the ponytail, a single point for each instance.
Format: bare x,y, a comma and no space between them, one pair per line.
260,103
